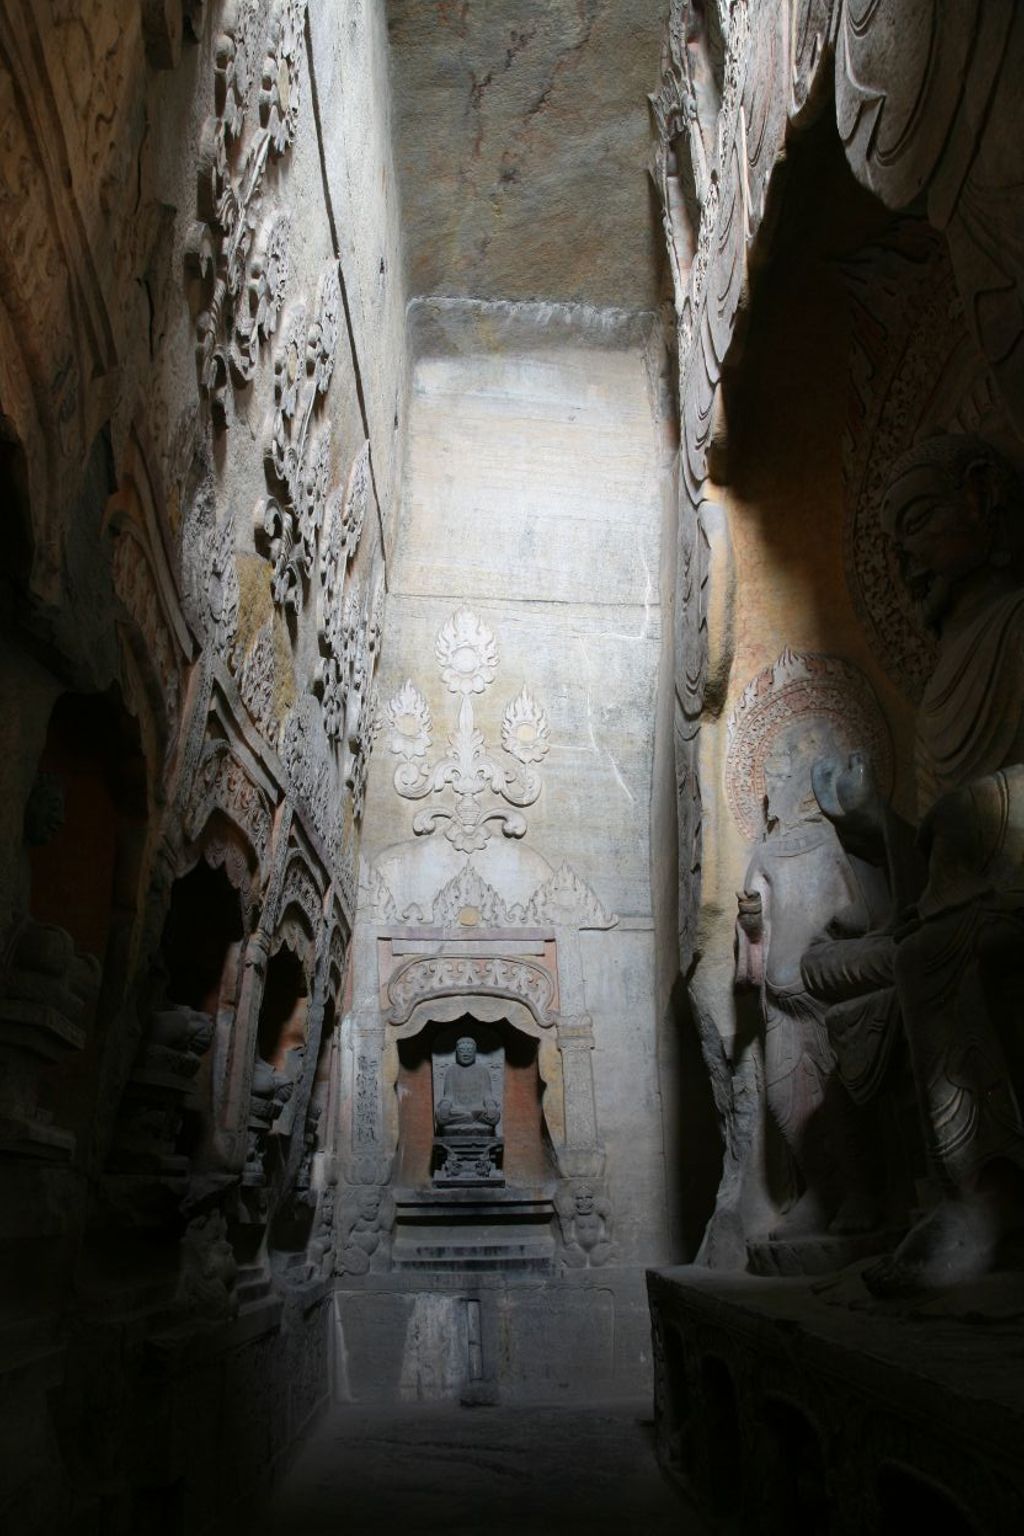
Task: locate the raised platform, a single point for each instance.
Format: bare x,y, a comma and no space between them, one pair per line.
804,1405
492,1336
473,1227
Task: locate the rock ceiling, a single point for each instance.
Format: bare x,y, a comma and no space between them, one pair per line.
523,142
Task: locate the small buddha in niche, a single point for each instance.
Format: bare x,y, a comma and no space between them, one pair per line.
467,1103
467,1117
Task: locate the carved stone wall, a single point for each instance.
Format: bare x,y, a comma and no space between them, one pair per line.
508,861
202,392
838,253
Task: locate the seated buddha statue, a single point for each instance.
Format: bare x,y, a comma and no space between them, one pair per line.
467,1105
952,960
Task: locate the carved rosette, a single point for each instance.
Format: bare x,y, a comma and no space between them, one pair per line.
799,690
468,661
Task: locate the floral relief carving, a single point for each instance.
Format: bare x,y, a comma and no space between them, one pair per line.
466,653
567,900
255,679
239,252
301,891
350,621
468,660
524,729
470,901
409,724
297,452
221,783
418,978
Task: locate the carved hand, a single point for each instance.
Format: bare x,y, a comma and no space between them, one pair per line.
848,795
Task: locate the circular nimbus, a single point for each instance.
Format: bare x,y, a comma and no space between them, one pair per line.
804,692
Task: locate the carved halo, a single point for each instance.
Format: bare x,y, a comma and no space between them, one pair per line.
804,689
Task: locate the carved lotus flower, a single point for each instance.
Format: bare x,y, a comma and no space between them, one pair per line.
524,729
316,481
269,273
467,653
281,76
408,717
322,340
288,362
331,685
356,492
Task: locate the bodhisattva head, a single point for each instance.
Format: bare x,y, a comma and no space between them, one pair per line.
788,798
953,511
465,1051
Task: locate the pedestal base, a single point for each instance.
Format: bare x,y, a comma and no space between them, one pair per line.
803,1405
471,1228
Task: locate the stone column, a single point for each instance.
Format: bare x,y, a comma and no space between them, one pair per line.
582,1155
370,1157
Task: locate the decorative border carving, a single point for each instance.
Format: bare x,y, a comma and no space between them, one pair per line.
487,975
470,901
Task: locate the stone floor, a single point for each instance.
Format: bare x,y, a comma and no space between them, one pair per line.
481,1472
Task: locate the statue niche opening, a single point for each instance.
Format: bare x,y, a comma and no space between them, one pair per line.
441,1112
475,1170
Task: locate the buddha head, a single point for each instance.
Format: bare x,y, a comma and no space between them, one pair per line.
952,510
465,1051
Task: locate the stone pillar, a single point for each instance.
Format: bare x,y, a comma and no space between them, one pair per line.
370,1156
582,1154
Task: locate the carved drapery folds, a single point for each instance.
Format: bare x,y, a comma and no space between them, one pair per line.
467,659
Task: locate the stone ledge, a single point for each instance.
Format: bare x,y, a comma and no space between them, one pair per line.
801,1399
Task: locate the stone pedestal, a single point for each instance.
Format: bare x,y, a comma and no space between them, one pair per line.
444,1230
802,1405
511,1336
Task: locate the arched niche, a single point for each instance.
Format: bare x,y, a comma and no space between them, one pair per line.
201,957
290,979
14,494
202,939
86,827
284,1007
533,1073
86,820
223,844
909,1501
